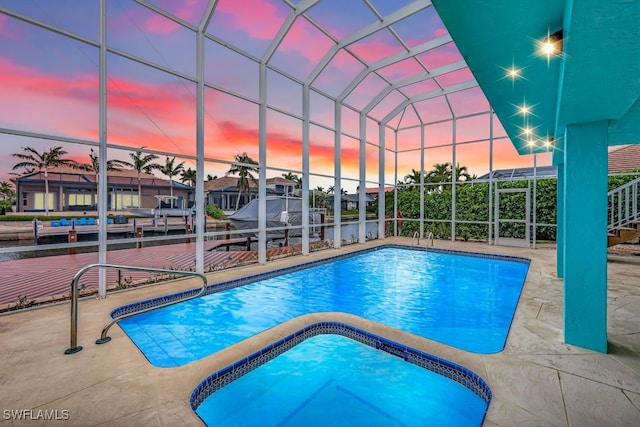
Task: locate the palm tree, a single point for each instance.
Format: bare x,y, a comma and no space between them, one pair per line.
331,189
293,177
7,191
462,173
211,177
243,168
413,178
170,169
31,159
94,166
441,172
142,163
189,176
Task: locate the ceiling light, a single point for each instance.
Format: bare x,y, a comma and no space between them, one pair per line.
552,44
513,73
524,109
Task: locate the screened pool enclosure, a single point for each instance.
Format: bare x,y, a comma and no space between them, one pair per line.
390,116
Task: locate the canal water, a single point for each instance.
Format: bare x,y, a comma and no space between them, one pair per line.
15,249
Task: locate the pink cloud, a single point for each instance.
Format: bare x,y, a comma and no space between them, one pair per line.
440,56
189,10
400,70
151,22
161,116
7,30
306,40
35,101
260,19
376,46
32,80
160,25
440,32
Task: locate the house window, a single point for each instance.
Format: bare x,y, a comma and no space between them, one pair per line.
25,199
80,199
124,200
38,201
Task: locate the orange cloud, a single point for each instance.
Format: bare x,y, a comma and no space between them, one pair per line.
233,138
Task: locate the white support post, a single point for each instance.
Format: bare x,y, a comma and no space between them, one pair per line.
305,170
199,196
453,182
337,179
395,191
102,154
421,180
381,182
362,209
490,177
262,172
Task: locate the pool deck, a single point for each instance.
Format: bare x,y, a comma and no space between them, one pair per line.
537,380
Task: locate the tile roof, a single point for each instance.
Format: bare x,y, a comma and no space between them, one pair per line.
124,177
232,181
374,190
624,158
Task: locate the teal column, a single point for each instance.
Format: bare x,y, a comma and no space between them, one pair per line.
560,190
585,235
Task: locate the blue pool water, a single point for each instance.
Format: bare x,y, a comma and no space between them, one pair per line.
332,380
464,301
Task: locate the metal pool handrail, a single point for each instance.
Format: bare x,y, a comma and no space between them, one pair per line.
416,236
74,347
429,237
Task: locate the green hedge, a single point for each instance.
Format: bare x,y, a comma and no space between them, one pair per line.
214,211
472,204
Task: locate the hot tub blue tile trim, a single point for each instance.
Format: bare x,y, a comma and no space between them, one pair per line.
229,284
230,373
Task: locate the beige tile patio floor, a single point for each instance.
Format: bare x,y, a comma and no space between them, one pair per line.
536,380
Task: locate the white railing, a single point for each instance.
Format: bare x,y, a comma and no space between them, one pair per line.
623,205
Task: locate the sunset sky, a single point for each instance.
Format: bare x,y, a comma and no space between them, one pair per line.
49,85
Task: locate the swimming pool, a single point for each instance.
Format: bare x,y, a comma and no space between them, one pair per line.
330,373
460,299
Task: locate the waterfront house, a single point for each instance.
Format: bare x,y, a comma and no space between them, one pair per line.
73,190
223,191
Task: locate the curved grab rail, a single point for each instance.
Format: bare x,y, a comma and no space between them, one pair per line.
416,237
74,347
429,237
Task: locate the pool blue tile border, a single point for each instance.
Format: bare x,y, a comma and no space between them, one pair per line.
229,284
232,372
